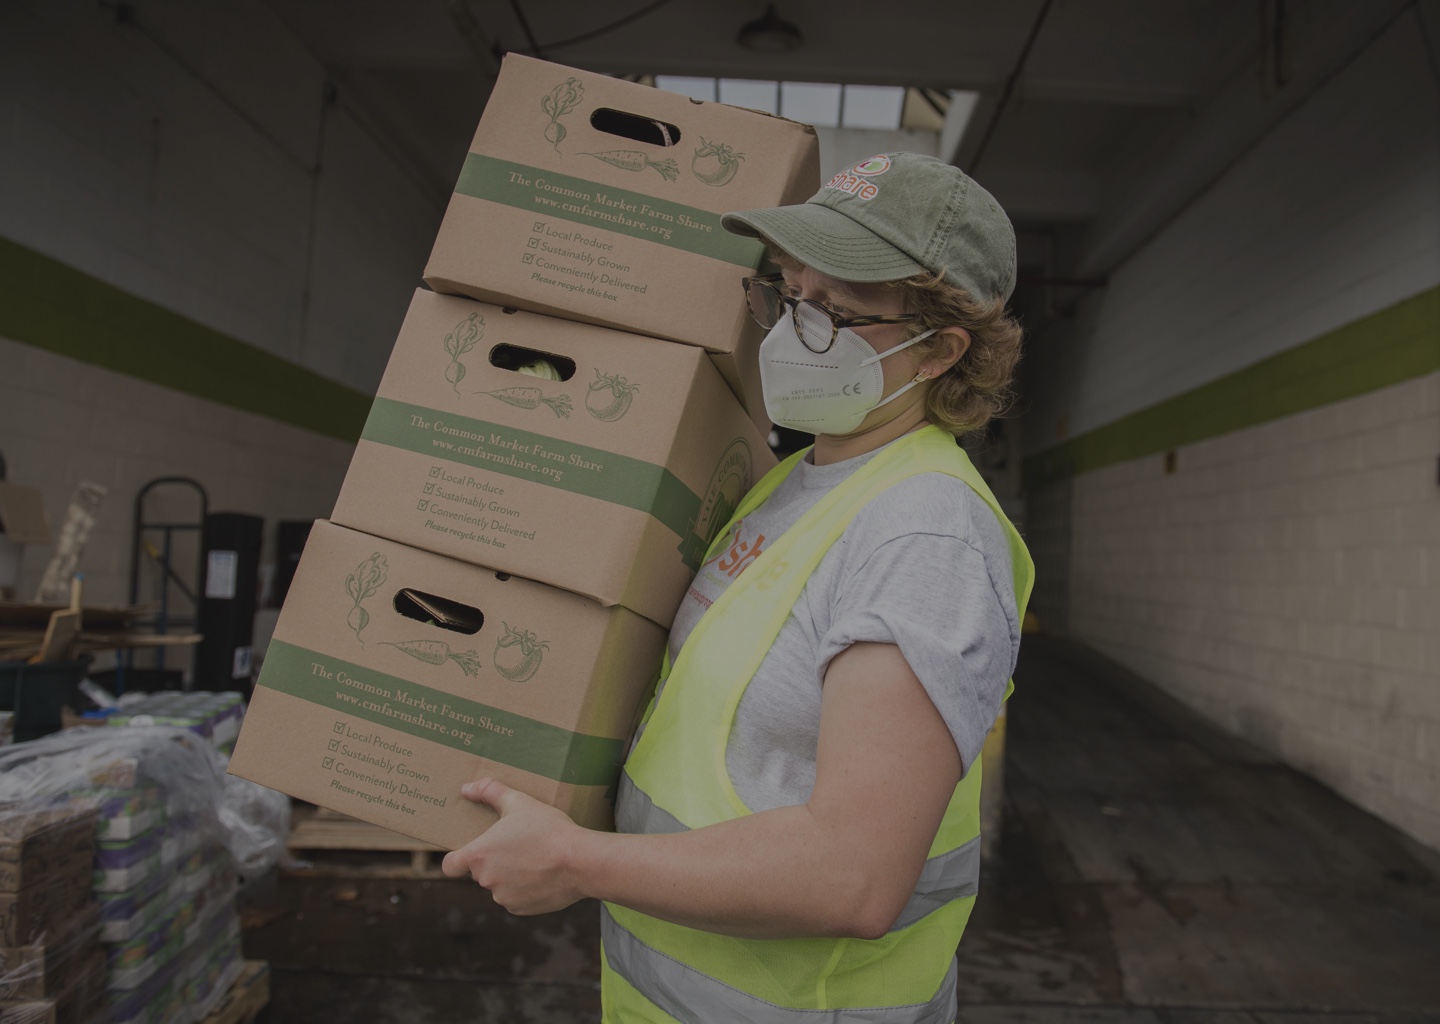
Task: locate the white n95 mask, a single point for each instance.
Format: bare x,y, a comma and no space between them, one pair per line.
827,393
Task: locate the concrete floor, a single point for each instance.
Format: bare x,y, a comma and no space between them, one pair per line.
1151,871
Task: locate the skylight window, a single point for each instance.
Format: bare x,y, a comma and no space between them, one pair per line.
695,88
810,103
873,106
746,92
825,104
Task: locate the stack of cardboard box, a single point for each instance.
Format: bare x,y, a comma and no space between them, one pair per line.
541,470
52,967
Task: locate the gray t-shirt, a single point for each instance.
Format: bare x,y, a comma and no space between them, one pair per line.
925,566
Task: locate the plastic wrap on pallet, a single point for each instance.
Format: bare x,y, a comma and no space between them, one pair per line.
89,766
43,969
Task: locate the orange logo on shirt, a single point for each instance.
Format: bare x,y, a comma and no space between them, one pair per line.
740,554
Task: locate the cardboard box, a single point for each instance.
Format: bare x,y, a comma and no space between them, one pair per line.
41,1012
47,968
34,842
610,483
368,711
22,521
554,213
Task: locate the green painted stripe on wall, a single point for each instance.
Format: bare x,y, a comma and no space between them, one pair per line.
1388,347
49,305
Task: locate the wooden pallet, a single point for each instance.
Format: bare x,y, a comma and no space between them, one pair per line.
246,998
322,831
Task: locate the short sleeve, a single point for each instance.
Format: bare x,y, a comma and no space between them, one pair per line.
943,596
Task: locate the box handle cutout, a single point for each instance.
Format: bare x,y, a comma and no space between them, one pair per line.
635,127
439,611
533,362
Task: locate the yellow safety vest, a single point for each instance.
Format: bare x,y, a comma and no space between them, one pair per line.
655,972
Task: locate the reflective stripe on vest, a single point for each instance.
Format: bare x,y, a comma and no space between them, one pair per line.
677,990
952,875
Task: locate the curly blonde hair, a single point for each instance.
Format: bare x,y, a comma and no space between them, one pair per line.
977,389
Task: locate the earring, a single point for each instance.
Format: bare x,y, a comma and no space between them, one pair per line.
923,375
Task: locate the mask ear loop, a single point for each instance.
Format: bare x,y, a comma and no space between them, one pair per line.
919,378
898,348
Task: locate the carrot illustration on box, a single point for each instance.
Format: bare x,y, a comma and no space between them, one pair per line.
522,397
635,160
437,652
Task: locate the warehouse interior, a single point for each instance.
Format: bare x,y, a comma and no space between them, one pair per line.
1221,794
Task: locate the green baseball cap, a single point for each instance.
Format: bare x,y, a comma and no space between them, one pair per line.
893,216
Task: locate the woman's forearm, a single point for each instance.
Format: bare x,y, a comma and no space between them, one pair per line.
776,874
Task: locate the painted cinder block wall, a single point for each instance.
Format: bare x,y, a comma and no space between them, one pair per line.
202,269
1280,341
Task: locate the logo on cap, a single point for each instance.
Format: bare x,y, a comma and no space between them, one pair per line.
856,181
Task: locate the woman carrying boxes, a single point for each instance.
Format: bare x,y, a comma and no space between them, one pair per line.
799,813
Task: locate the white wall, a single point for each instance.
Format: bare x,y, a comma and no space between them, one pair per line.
1285,581
1333,215
118,161
195,189
1285,578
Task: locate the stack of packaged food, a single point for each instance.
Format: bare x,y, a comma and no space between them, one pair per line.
215,716
52,966
166,888
120,850
556,440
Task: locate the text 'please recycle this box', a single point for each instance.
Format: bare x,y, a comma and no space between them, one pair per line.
597,199
610,482
395,676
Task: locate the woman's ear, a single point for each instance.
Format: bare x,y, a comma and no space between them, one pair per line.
946,348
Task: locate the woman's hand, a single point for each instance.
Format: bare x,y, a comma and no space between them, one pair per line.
524,858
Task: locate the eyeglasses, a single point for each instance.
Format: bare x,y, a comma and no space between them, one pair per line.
816,325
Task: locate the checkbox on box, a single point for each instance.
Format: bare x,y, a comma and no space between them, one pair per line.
339,726
429,488
529,257
534,243
434,470
329,762
422,505
539,227
334,744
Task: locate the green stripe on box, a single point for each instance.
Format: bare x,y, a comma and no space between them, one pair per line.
552,195
1385,348
535,747
49,305
539,458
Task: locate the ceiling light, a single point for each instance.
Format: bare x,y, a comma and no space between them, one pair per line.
770,33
